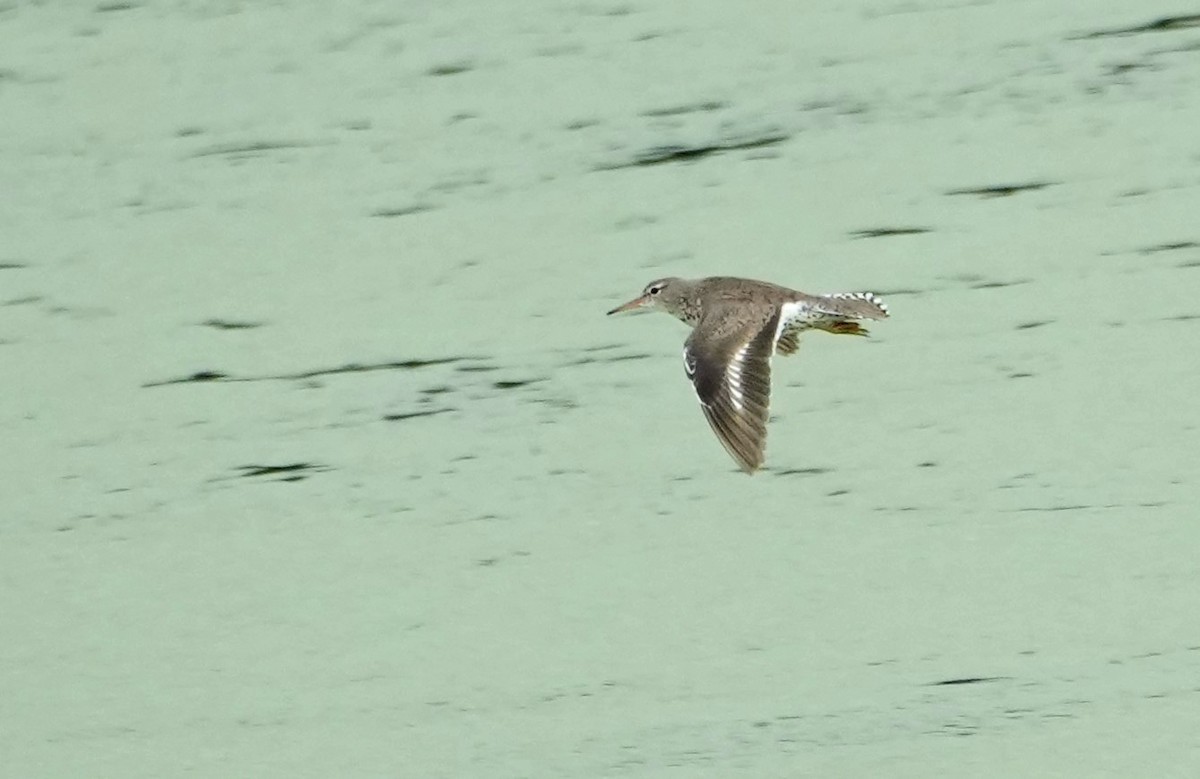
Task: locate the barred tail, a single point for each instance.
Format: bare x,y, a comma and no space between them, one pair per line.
854,305
846,309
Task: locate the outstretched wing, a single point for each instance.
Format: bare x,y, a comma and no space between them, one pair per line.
732,376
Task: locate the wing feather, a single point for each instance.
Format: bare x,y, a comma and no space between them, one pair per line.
732,378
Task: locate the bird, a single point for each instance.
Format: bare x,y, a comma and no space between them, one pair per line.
737,326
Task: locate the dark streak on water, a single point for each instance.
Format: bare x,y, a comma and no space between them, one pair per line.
451,68
253,148
1164,24
289,472
1002,190
217,376
999,284
416,208
893,293
615,358
967,680
677,153
886,232
1169,247
414,415
226,324
690,108
1056,508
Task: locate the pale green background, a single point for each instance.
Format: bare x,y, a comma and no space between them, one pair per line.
568,577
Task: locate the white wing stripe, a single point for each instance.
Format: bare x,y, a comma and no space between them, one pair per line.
733,377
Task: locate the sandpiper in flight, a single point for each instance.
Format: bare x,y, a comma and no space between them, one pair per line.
737,324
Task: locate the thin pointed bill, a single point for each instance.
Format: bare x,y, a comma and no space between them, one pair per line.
636,303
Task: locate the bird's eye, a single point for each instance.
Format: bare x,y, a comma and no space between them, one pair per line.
654,290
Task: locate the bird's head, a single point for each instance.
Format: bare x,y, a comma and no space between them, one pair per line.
665,294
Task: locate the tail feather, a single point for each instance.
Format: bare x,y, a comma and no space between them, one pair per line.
839,313
856,305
